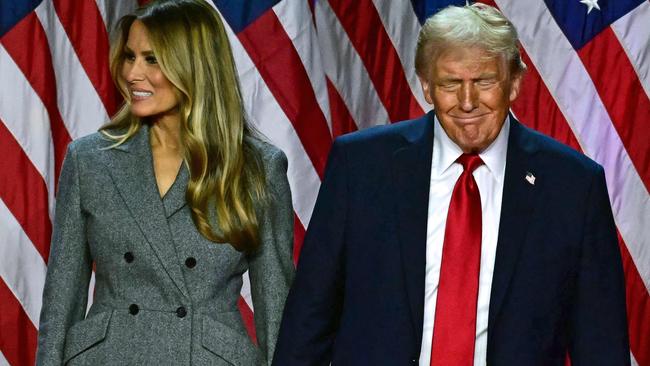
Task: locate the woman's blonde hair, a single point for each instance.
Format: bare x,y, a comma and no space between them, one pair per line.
466,26
190,43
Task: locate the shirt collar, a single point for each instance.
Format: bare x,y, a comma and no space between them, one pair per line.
445,151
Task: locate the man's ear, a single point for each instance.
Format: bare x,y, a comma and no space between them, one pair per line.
515,86
426,89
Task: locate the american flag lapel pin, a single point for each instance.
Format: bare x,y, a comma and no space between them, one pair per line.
530,178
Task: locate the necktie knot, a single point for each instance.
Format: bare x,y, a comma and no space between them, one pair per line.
470,162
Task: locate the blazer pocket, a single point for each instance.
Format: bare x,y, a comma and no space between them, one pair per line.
228,344
85,334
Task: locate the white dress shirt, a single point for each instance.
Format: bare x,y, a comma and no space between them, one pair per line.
489,178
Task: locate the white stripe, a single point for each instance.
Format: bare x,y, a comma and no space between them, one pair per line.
25,116
112,11
345,68
81,108
633,32
246,290
633,360
575,94
21,266
91,291
403,29
295,17
269,118
3,360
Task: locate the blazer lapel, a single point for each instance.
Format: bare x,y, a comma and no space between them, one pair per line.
131,167
518,203
411,173
174,199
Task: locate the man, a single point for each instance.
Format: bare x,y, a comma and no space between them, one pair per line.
462,237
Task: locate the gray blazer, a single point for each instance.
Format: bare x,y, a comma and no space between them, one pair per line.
164,295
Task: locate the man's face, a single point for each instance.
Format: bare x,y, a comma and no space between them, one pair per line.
471,92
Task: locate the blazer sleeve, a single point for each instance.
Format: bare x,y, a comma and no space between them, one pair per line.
65,294
271,268
313,310
598,325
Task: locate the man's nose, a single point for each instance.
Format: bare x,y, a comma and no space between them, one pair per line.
468,97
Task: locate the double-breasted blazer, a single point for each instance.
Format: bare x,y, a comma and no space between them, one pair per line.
163,295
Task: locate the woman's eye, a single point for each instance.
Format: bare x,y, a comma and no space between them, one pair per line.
129,56
151,60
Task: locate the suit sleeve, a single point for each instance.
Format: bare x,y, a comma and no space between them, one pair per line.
65,295
313,310
598,324
271,269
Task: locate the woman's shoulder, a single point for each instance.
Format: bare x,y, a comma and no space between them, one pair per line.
90,143
267,152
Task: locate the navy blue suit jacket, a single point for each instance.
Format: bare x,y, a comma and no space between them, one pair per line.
358,296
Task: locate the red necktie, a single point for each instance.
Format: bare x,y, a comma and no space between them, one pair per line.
454,330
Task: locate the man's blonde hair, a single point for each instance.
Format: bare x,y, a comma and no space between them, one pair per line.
476,25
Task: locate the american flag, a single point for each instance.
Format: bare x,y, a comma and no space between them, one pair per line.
311,70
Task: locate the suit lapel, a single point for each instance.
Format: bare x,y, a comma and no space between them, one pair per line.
411,172
131,167
518,204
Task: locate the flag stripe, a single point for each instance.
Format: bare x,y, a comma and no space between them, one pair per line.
24,192
638,308
298,237
85,28
269,118
36,65
633,32
247,317
403,29
364,28
18,335
623,96
345,69
17,257
34,138
273,54
111,11
297,23
574,91
548,120
81,107
342,121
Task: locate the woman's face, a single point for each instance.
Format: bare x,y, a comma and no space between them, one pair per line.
151,93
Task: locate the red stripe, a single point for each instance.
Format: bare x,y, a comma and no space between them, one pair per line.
247,317
366,32
36,64
24,193
298,238
638,308
18,335
86,30
342,121
278,62
622,93
536,108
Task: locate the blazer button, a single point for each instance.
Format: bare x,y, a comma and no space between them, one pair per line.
134,309
128,257
181,312
190,262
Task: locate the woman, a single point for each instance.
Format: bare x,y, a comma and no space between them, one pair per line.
172,201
